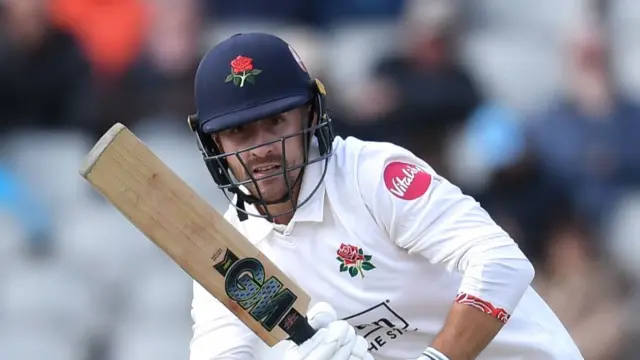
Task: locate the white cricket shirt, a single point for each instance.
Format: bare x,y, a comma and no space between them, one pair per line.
391,245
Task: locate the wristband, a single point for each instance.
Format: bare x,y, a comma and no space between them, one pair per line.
433,354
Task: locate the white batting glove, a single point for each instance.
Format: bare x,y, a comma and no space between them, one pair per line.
334,340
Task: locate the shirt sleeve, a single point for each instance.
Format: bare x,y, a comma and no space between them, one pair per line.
427,215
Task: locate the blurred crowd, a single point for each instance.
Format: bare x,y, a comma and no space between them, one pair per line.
533,107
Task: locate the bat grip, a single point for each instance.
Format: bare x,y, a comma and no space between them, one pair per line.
301,331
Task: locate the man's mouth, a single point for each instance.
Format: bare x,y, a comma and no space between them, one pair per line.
265,170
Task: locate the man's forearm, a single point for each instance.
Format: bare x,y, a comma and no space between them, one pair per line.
466,332
496,276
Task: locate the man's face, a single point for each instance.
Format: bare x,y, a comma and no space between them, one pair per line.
267,159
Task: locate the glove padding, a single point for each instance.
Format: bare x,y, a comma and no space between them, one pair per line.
334,340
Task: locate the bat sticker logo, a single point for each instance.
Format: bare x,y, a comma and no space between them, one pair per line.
264,299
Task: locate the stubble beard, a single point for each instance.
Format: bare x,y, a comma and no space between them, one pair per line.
272,188
275,188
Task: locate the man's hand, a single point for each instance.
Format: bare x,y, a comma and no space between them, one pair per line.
334,340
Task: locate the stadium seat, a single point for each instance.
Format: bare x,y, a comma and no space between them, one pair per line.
12,242
19,343
354,49
104,247
44,294
158,294
504,63
135,342
543,19
49,161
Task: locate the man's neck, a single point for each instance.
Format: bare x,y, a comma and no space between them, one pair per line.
286,208
284,219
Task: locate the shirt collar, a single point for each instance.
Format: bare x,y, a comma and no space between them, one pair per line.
257,228
313,209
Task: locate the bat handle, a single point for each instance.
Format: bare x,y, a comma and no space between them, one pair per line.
301,331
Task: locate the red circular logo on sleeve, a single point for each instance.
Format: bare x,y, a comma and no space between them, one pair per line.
406,181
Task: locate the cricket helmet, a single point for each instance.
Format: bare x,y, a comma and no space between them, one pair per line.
246,78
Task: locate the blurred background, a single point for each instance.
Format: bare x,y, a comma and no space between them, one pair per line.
530,106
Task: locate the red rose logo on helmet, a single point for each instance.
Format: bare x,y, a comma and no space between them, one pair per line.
406,181
242,70
242,63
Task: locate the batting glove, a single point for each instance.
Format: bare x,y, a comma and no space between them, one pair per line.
334,339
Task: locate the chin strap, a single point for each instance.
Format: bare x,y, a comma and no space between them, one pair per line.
242,215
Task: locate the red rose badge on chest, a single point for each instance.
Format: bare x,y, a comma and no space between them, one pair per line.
354,260
406,181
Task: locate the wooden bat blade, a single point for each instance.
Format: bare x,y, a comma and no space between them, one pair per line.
207,247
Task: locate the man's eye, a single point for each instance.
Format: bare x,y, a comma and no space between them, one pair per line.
237,130
277,120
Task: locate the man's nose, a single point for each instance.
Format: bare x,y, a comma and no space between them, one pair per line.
265,144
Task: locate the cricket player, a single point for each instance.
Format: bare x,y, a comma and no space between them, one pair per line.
399,263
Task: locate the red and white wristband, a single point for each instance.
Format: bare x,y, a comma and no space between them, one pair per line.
433,354
486,307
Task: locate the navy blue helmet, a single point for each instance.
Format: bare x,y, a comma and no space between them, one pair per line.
247,78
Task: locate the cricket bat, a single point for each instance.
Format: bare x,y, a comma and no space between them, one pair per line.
207,247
